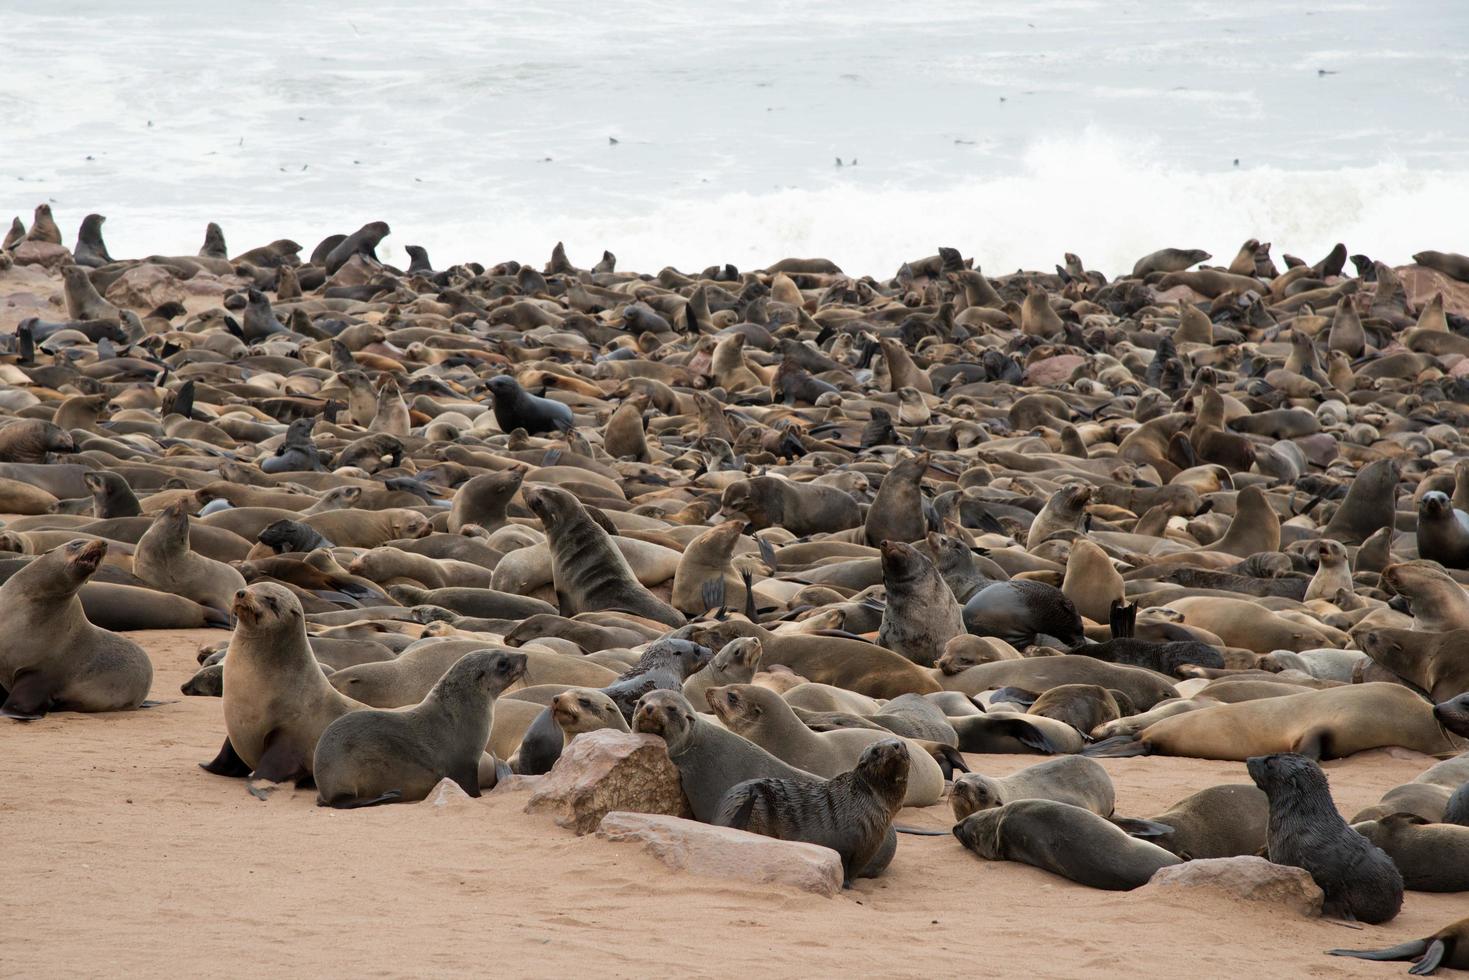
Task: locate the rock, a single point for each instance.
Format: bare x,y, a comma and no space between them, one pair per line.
448,794
1421,282
609,770
41,253
516,783
723,852
1251,879
1053,370
145,287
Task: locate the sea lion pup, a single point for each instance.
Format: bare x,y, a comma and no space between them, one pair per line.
1331,723
587,570
1434,662
1432,857
32,441
1070,779
90,249
897,511
1437,602
735,663
710,759
163,561
1449,947
1023,613
51,657
516,408
374,756
1332,572
800,508
297,452
1064,511
1168,260
111,495
707,559
851,813
483,500
1370,504
277,702
1166,657
921,614
1082,706
1217,822
1065,840
362,242
1443,531
764,717
1306,831
285,536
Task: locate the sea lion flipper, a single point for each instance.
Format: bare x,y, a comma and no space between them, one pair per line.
29,698
1405,951
1431,959
1138,827
227,763
391,796
1117,747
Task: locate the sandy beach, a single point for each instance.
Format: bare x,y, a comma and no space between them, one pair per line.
123,858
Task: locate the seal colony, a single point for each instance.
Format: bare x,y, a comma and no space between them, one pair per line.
822,534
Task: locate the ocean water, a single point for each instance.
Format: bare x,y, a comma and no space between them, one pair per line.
1012,130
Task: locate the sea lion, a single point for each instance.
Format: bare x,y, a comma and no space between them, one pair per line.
373,756
764,717
51,656
1435,662
707,559
32,441
516,408
1022,613
582,709
1221,821
851,813
589,573
897,511
111,496
1306,831
1437,602
1369,504
1168,260
90,250
482,500
921,615
1443,531
276,700
1433,857
800,508
1065,840
1145,688
1092,582
1065,510
1070,779
1327,724
1082,706
362,242
163,561
1332,572
1449,947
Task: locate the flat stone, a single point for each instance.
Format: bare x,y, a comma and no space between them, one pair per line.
1420,283
1250,879
723,852
609,770
145,287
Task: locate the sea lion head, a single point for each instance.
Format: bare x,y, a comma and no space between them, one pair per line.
503,386
488,672
737,705
1435,506
1453,714
666,714
747,499
1330,553
286,535
1072,499
883,766
962,652
980,832
902,562
1378,644
743,654
83,557
552,505
582,709
410,524
973,792
266,607
1286,772
688,655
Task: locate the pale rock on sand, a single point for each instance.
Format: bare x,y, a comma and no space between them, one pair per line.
1252,879
609,770
723,852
